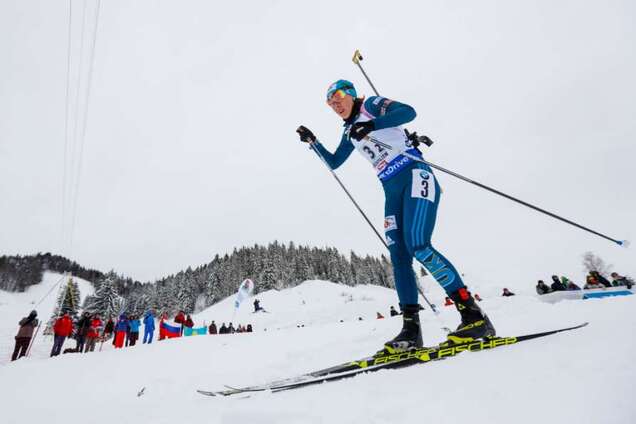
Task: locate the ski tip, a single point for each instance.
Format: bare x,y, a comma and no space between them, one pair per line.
623,243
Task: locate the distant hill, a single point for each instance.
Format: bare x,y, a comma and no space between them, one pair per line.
17,273
275,266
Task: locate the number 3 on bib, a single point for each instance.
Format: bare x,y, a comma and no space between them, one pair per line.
423,185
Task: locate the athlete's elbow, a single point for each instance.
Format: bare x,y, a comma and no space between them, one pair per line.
410,114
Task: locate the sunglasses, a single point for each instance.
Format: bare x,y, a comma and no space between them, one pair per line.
339,94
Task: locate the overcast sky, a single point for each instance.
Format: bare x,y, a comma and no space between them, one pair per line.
190,147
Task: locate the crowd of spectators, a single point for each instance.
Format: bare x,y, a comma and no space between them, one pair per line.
229,329
593,280
89,330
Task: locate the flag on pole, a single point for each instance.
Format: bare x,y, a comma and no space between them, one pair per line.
199,331
245,290
170,329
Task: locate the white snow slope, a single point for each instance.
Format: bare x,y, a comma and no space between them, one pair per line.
585,376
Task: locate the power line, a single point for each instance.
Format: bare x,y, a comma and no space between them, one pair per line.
84,122
66,119
74,159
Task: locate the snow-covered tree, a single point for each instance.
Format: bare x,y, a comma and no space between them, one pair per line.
105,302
267,277
68,301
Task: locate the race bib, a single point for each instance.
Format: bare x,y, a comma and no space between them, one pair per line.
423,185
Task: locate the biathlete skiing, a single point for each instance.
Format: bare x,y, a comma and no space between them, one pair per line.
412,194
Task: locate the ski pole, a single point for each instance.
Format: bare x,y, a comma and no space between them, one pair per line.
435,311
413,137
623,243
351,198
357,58
33,339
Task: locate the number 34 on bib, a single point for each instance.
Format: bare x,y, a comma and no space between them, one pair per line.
423,185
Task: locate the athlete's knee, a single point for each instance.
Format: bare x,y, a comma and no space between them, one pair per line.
400,255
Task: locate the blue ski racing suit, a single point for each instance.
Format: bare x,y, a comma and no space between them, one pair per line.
412,193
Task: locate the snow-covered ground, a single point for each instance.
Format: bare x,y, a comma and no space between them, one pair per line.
585,376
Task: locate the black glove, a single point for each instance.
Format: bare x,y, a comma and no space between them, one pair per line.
360,130
305,134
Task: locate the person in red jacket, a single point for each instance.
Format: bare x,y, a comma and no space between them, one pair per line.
92,335
180,319
188,322
62,329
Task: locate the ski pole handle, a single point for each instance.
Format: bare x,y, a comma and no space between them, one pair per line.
357,58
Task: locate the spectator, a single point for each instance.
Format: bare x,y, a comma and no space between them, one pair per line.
149,327
477,297
542,288
121,328
507,292
134,325
127,338
230,329
96,326
249,328
618,280
62,328
393,312
180,319
257,305
379,315
569,284
83,325
25,333
557,285
109,328
212,328
448,301
592,283
188,322
223,329
600,278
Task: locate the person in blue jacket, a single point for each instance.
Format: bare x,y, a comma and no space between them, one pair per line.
134,324
412,195
149,327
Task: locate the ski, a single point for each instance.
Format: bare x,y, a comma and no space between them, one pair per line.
384,361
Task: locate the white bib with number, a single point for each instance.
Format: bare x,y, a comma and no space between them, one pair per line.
386,161
423,186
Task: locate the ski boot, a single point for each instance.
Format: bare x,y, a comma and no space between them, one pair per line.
410,337
475,324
